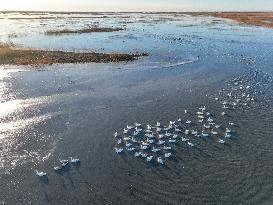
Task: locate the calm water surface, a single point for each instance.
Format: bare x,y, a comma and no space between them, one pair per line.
54,112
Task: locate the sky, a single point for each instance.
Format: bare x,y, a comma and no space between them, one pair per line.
137,5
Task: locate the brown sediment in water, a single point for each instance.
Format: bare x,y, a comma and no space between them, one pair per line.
264,19
79,31
19,56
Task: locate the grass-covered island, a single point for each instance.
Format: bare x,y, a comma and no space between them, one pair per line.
9,54
84,30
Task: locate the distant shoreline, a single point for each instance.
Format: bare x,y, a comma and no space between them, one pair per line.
255,18
152,12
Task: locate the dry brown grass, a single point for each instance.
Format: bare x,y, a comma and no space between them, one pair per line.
264,19
16,56
79,31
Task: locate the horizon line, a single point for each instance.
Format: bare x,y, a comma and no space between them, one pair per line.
64,11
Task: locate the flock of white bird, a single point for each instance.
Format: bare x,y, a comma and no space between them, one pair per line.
243,91
63,164
155,143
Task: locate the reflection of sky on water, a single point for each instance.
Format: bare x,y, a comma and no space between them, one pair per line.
15,131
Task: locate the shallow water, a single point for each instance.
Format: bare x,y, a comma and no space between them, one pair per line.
54,112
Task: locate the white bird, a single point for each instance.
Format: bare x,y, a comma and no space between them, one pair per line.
172,140
175,136
138,129
223,113
130,149
74,160
125,131
172,122
149,135
231,123
135,133
210,119
217,126
129,127
143,147
206,126
116,134
137,154
177,129
137,124
63,162
161,136
145,143
126,138
188,122
57,168
179,120
168,134
227,135
186,111
144,155
222,141
159,160
202,108
228,130
160,142
204,134
155,149
158,124
40,174
158,129
119,141
194,132
190,144
168,154
184,139
167,148
149,127
118,150
214,132
148,159
187,132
